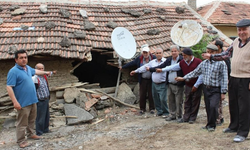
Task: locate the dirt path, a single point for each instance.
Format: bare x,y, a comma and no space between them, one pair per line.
125,130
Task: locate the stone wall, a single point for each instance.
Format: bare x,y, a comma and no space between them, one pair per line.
63,66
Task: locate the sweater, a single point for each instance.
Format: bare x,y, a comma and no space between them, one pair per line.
240,65
188,68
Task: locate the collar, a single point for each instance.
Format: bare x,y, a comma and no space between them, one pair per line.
190,61
162,59
177,58
245,43
19,67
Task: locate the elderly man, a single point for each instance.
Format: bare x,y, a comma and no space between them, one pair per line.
215,85
144,79
158,84
192,89
43,95
22,92
174,88
239,82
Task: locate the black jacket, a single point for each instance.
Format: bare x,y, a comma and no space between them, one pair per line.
168,63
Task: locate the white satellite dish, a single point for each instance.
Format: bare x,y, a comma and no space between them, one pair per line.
186,33
123,42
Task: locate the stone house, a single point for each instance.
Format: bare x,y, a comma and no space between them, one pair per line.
75,38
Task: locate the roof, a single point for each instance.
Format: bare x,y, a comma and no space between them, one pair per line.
39,40
225,13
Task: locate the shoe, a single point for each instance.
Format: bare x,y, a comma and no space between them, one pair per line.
181,120
228,130
170,118
165,116
239,138
190,122
24,144
204,128
159,115
141,112
210,129
152,112
35,137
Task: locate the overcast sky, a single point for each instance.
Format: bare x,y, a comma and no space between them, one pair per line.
203,2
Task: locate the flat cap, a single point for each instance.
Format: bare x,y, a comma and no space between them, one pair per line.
243,23
187,51
212,47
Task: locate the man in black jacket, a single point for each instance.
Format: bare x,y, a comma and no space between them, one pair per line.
144,78
174,89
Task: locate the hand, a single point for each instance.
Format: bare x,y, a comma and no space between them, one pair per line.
147,68
120,67
179,79
194,89
54,72
222,97
206,55
17,106
132,73
158,70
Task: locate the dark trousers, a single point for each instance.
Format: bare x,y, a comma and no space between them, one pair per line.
239,105
191,103
212,97
146,89
42,118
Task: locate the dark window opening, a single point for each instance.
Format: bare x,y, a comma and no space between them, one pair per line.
97,71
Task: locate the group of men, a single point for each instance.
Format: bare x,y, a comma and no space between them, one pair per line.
164,84
30,98
210,76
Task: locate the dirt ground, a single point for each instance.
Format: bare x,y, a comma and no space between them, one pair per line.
123,129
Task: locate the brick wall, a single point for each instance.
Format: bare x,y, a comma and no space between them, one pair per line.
63,66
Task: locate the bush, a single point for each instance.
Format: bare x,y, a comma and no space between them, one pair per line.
200,47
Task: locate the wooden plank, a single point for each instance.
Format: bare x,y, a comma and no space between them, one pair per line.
67,86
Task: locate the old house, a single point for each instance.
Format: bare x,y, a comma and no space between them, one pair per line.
224,15
75,38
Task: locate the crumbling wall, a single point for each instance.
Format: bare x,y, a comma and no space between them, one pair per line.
63,66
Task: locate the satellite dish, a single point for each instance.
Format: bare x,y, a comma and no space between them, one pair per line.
186,33
123,42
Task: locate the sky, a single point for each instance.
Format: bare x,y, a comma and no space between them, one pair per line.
203,2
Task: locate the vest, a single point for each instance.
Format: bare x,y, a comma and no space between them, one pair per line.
240,64
186,69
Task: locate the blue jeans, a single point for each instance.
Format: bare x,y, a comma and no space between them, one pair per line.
43,116
159,92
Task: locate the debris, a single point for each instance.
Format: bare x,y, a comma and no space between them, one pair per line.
125,94
65,13
49,25
83,13
65,42
112,24
43,8
153,32
67,86
18,12
80,34
12,49
82,115
70,94
89,26
125,104
1,21
180,10
90,103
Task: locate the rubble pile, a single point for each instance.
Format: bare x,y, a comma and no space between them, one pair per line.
77,103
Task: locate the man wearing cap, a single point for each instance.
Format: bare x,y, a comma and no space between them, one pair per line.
192,89
144,79
239,82
159,88
219,44
214,85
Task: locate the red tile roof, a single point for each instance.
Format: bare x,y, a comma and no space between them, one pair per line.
225,13
100,38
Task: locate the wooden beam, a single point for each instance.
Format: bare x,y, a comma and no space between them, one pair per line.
67,86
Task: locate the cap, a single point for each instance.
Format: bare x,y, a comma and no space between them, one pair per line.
243,23
145,48
187,51
212,47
